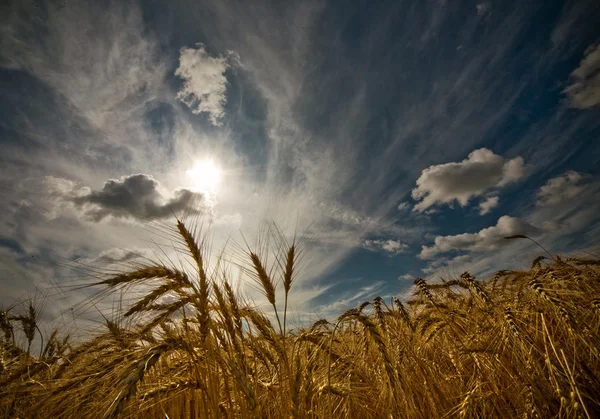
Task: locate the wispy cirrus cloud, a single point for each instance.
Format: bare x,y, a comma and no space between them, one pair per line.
584,89
389,246
350,298
101,68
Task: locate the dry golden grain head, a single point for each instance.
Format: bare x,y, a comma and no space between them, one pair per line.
192,246
142,304
363,305
541,291
378,303
28,323
319,323
130,379
352,312
288,275
225,311
423,288
333,389
6,326
583,261
537,262
596,303
262,324
147,272
510,319
516,236
296,388
263,278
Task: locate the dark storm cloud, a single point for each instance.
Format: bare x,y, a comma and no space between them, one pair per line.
136,196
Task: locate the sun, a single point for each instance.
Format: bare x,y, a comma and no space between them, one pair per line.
206,175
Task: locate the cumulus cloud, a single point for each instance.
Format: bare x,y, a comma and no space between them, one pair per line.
564,205
559,189
487,239
488,205
138,196
460,181
584,88
458,263
391,247
204,82
512,171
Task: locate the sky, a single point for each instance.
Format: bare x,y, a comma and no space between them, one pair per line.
409,138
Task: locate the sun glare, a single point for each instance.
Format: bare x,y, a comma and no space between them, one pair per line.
206,175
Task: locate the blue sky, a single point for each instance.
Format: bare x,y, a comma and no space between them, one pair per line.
411,135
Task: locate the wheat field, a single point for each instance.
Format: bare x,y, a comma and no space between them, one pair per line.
522,344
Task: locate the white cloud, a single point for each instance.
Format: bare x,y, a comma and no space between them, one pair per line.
234,219
117,255
487,239
392,247
403,206
584,90
483,8
560,188
457,264
460,181
512,171
488,205
565,205
568,203
406,277
204,82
